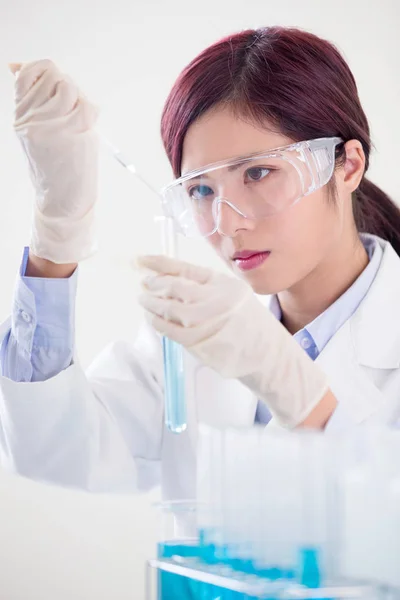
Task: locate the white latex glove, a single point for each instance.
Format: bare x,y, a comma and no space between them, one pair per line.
54,124
220,321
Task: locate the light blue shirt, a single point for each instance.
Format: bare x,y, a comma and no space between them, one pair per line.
40,343
314,337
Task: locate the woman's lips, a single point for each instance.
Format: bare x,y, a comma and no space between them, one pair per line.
250,260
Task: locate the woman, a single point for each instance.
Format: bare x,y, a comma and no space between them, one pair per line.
269,144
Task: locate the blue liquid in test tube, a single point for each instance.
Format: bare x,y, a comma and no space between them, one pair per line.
174,386
174,376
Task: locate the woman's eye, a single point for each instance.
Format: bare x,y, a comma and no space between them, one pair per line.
257,173
199,192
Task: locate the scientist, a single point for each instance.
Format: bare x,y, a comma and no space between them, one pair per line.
269,146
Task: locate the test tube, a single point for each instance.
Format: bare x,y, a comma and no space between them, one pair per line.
312,554
174,380
174,376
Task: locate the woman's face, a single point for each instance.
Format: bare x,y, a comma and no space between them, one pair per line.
289,245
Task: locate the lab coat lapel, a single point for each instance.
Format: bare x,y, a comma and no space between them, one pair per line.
362,357
347,378
375,327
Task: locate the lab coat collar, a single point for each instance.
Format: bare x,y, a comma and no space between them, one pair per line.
369,339
374,330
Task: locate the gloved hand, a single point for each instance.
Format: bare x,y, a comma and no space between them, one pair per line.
54,123
220,321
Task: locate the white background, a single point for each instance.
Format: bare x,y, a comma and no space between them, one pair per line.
125,54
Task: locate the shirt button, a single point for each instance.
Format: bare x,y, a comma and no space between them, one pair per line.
25,316
305,343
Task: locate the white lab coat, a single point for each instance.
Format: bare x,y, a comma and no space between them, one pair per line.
103,430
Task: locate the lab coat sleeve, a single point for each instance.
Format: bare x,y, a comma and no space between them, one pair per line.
98,431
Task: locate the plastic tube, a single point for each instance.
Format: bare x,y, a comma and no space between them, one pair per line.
174,376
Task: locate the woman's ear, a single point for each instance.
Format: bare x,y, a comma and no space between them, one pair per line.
353,168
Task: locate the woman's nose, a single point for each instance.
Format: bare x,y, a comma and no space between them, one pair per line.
229,219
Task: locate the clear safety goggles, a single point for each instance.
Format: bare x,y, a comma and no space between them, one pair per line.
254,186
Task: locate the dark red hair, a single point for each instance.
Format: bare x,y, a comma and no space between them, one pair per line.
293,80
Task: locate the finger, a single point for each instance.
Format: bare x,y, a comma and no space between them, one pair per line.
170,310
84,115
47,101
15,68
170,286
174,331
187,337
32,72
172,266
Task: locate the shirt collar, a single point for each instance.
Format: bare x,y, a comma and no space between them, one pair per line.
324,327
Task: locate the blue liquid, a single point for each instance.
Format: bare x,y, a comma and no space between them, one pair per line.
177,587
213,554
224,555
310,567
174,388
